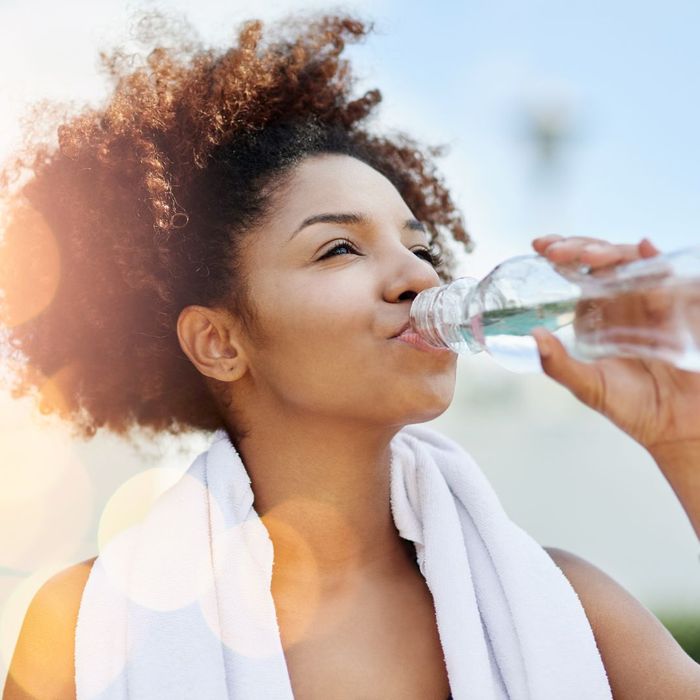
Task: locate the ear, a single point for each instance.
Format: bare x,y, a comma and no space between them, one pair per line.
208,338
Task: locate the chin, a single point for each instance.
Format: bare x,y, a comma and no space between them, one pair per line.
410,400
428,412
424,416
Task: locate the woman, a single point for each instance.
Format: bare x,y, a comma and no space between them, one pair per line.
239,252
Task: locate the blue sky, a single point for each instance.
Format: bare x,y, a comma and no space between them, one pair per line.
627,72
467,74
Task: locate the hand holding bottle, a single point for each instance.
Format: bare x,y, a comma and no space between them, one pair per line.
654,402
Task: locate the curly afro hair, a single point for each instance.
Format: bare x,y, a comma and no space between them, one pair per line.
142,207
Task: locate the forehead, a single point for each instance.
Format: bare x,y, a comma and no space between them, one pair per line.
331,182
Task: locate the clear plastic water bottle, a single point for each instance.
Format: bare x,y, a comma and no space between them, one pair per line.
648,308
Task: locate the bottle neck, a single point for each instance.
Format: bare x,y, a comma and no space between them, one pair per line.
440,315
424,316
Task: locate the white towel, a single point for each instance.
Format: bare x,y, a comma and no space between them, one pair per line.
179,606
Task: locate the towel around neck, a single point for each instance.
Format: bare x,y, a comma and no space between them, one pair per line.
179,606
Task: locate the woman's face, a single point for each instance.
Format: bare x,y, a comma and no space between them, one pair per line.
327,320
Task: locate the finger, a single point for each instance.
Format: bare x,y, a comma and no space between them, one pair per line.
598,255
594,254
541,243
604,254
568,250
582,379
573,242
648,249
564,248
544,241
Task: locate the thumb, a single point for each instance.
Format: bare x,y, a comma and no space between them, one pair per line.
582,379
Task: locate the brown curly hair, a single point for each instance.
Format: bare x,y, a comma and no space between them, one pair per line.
143,206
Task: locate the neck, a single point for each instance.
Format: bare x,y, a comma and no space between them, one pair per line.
323,493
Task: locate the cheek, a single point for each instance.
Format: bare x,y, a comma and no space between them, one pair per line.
316,342
364,381
325,352
324,362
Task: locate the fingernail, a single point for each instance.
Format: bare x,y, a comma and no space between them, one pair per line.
593,248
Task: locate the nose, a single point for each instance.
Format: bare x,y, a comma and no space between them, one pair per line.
409,275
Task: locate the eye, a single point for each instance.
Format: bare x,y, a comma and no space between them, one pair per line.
339,246
431,256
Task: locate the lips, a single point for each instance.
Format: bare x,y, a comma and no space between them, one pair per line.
412,338
401,330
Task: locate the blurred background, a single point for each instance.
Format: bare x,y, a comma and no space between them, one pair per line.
575,118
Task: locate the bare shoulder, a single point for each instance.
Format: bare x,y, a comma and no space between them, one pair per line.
42,665
643,661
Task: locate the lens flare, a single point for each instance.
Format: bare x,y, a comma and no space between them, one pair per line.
46,495
181,571
30,267
132,500
56,396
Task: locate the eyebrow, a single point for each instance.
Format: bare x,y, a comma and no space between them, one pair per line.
352,218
